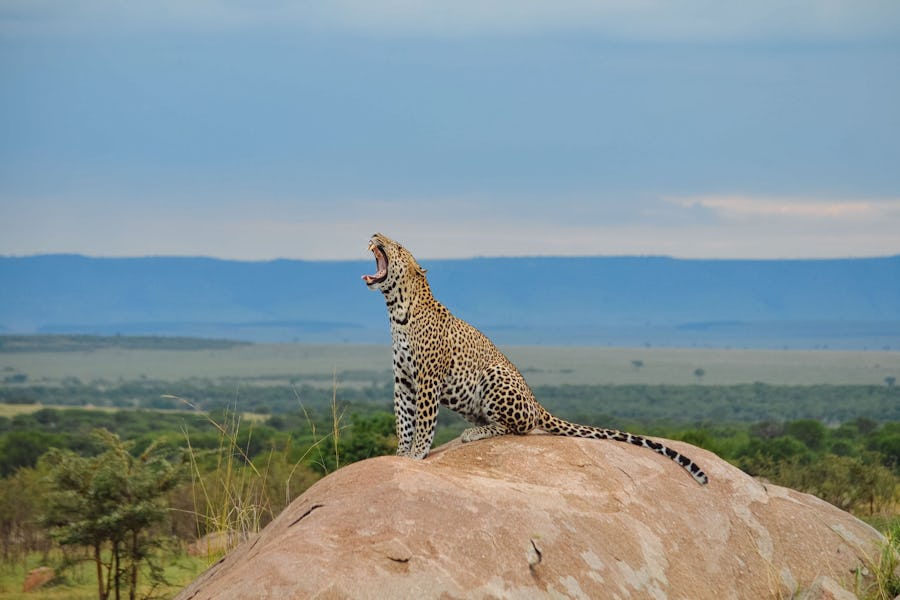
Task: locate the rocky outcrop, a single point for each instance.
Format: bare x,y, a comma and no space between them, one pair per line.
542,516
37,578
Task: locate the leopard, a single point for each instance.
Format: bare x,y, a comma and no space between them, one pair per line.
441,360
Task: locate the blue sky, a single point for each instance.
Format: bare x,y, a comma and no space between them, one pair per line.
257,130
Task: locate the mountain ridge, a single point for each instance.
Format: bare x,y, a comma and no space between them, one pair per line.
656,300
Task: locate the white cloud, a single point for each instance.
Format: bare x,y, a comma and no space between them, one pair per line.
796,209
739,227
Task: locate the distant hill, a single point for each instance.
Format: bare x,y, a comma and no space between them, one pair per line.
847,303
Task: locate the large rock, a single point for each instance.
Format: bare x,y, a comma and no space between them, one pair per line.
540,516
37,578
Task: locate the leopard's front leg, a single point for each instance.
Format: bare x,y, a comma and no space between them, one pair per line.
426,407
404,416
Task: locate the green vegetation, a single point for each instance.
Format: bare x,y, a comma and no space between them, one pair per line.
108,503
745,403
855,466
222,454
678,404
78,581
237,473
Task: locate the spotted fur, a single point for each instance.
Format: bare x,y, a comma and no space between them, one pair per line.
440,359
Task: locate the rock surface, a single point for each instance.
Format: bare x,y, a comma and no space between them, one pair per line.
37,578
542,516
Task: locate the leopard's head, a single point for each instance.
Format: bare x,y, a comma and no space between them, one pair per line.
394,264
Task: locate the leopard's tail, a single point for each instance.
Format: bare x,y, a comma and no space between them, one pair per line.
558,426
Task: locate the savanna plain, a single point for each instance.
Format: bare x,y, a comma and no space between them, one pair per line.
188,446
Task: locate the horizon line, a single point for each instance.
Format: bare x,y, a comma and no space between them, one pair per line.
365,258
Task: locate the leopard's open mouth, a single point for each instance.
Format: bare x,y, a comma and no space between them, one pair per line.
380,262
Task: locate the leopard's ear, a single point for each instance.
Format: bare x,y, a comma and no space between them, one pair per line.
417,267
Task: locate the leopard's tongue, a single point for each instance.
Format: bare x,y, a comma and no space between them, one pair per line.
381,264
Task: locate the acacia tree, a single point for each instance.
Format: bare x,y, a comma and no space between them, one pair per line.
109,503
